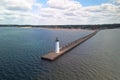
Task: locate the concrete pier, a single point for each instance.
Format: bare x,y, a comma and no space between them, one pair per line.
52,55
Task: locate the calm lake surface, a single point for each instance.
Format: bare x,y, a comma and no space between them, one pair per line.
21,49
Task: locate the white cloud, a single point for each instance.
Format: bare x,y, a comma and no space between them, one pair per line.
57,12
19,12
116,2
17,4
64,4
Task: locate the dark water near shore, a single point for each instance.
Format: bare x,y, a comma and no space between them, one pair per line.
21,50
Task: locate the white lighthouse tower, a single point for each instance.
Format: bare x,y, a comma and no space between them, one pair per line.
57,46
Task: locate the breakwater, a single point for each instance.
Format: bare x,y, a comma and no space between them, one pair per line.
52,55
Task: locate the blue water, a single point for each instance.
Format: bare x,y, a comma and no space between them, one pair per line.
21,50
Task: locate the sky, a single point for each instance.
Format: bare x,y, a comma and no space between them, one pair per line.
59,12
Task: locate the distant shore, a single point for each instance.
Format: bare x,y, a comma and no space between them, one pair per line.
67,29
50,28
86,27
62,28
26,27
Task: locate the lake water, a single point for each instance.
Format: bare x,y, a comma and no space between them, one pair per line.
21,50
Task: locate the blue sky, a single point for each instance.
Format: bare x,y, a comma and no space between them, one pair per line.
92,2
42,1
52,12
83,2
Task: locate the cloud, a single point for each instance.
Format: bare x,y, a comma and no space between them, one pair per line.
117,2
17,4
19,12
64,4
57,12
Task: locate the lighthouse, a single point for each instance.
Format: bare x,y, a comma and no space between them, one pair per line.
57,46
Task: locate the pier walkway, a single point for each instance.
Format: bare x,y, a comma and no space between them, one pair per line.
52,55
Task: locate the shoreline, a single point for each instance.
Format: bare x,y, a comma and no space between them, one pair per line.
64,29
28,27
